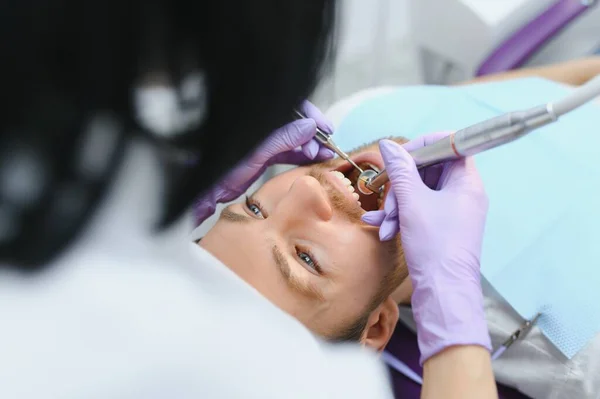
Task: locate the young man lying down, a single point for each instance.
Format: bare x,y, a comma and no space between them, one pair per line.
320,264
300,242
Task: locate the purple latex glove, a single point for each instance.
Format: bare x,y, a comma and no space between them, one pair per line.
389,227
292,144
441,233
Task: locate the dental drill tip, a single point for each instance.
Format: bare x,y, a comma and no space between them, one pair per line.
363,179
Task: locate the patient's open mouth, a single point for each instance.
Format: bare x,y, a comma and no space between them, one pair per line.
365,160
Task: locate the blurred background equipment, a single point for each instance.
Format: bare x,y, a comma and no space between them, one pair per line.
406,42
460,39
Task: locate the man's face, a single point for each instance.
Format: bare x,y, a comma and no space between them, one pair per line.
299,241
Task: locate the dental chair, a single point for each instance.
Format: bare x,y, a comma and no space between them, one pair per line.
460,39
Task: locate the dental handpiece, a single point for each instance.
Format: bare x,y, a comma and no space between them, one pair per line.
486,135
326,140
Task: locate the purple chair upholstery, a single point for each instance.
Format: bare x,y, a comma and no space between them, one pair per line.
518,48
403,345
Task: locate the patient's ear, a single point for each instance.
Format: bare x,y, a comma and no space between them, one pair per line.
381,324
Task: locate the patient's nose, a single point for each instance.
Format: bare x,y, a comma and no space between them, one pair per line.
306,199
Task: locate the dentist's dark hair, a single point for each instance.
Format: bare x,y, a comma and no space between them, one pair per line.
70,69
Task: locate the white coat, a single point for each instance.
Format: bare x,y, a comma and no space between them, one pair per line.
126,313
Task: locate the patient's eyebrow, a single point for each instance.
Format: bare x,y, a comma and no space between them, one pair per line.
230,216
283,266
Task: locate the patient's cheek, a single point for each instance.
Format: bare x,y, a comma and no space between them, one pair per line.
347,236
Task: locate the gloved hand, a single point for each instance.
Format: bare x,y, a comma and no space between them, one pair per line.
282,147
441,232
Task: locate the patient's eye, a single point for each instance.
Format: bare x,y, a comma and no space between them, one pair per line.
309,260
255,210
254,207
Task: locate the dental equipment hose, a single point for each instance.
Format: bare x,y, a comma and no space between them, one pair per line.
487,134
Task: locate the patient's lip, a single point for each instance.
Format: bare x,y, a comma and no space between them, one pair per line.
371,157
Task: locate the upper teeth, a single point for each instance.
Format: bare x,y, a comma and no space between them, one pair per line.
350,188
346,182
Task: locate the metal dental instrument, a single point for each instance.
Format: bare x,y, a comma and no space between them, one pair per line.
487,134
520,333
325,139
401,367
